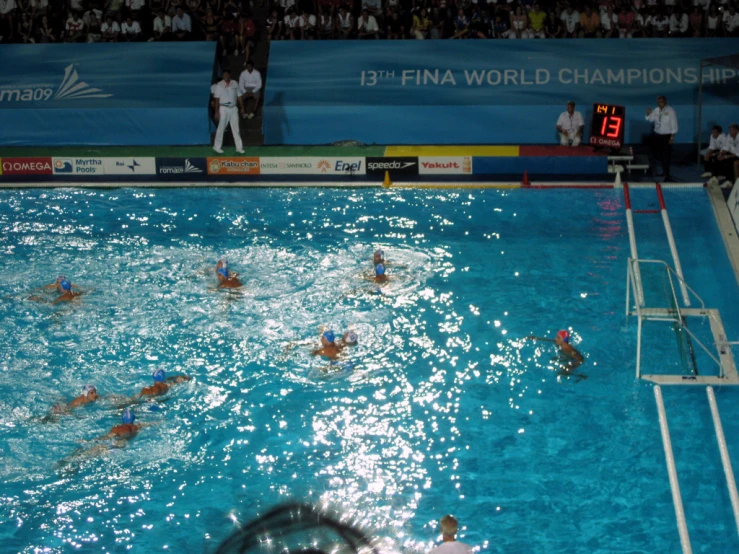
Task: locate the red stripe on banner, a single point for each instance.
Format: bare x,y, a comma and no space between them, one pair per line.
569,151
661,197
627,198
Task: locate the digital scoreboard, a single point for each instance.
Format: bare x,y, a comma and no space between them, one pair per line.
607,126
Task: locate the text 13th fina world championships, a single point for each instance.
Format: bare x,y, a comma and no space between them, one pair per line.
533,77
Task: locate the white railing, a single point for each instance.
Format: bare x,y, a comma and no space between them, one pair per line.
725,459
682,525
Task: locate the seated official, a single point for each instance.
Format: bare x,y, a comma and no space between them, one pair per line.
570,126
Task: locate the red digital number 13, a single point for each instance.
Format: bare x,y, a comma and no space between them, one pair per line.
611,127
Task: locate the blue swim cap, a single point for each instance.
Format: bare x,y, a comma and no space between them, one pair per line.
223,272
66,285
159,375
329,336
128,417
380,269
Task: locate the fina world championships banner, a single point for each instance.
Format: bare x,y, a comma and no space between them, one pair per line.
105,94
486,91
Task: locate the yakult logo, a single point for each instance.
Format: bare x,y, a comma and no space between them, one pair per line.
71,88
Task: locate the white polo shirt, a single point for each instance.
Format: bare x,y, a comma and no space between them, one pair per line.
570,124
248,80
731,21
160,25
718,143
367,25
570,20
113,27
133,29
732,144
227,93
665,121
452,547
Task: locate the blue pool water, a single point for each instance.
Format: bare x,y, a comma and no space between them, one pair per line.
447,407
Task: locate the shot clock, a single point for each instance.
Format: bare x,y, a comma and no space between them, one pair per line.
607,126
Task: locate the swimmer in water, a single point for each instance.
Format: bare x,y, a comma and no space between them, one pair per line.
226,279
571,357
161,383
88,396
56,284
63,286
120,434
380,276
329,348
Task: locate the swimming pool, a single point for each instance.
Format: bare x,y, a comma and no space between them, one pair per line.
447,409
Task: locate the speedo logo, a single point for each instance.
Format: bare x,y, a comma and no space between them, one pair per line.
390,165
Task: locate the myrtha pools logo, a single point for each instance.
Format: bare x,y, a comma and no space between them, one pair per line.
71,88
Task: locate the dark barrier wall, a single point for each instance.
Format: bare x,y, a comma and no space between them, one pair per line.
486,91
105,94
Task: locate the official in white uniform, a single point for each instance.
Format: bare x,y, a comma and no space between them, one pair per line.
665,129
727,162
570,126
227,97
717,144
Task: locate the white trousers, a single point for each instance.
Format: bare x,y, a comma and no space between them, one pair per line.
568,137
228,115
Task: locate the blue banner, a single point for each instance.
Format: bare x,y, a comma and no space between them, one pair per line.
105,94
486,91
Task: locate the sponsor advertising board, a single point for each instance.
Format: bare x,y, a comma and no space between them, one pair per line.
445,165
399,165
182,167
233,166
27,166
313,166
77,166
129,166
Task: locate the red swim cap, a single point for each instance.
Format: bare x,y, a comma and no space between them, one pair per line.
564,335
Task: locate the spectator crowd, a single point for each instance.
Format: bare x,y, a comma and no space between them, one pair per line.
229,22
506,19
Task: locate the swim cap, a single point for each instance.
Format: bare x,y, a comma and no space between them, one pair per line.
223,271
128,417
61,278
329,336
350,337
380,269
87,389
564,335
159,375
380,253
66,285
223,262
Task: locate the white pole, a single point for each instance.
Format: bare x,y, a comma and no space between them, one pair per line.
677,500
632,245
638,347
725,459
673,247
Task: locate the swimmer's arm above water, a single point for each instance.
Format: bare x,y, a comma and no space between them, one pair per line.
175,379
